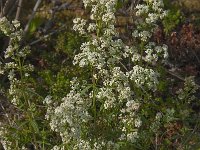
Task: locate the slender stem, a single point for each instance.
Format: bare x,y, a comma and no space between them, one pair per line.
18,9
20,68
94,92
32,16
1,3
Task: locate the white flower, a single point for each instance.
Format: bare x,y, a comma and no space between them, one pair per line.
152,18
5,26
58,148
141,9
108,17
79,25
16,23
48,100
138,122
132,136
91,27
142,76
132,106
145,35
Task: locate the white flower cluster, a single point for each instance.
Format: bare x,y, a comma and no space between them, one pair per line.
58,148
5,26
150,13
143,35
153,9
96,53
70,117
143,76
153,52
79,25
7,145
98,145
101,10
130,121
91,27
15,34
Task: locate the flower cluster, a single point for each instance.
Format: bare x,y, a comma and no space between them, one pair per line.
189,89
79,25
14,32
153,52
95,53
5,26
143,76
150,13
153,9
102,13
4,141
72,112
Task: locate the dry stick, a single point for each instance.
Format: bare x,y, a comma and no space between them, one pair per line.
8,4
5,113
32,16
18,9
1,8
4,8
13,8
175,75
42,38
178,77
194,53
46,36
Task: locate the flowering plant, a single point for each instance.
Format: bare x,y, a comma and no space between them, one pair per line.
106,111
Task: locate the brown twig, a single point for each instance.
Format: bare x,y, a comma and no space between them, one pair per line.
175,75
48,35
178,77
1,8
18,9
32,16
12,8
6,8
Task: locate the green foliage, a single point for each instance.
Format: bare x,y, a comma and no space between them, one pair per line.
69,43
121,3
35,23
174,17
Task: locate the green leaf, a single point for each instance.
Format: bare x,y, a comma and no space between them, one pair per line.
34,125
86,89
35,23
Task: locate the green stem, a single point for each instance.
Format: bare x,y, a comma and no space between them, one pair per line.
94,93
